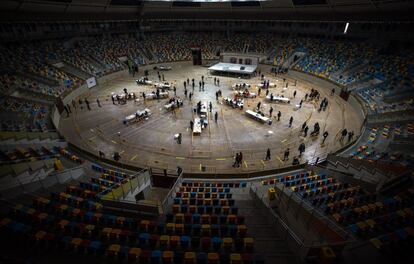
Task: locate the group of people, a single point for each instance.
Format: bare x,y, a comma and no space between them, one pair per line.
68,109
238,159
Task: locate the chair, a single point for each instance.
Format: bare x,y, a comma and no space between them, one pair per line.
232,219
153,240
179,229
205,230
202,258
185,242
143,238
170,228
205,243
196,229
134,254
242,230
113,250
143,226
205,219
144,257
216,241
248,243
95,248
189,257
196,218
155,257
193,209
174,241
167,257
212,258
227,243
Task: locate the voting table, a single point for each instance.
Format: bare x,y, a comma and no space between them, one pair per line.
234,102
203,109
137,116
163,85
278,99
144,81
246,93
258,117
199,125
153,95
240,85
173,104
271,85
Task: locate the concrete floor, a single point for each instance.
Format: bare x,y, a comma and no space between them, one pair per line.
150,143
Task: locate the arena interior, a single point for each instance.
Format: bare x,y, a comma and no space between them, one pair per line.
206,131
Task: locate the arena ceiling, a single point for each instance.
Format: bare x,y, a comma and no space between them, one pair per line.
336,10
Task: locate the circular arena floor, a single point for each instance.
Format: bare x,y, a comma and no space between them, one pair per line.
151,142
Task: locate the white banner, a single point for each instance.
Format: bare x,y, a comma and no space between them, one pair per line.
91,82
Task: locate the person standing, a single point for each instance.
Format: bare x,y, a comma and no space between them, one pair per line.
350,136
87,104
286,155
215,117
67,111
259,91
191,125
279,114
211,107
267,92
301,149
306,131
325,135
270,112
294,94
268,156
191,95
343,134
236,160
179,138
218,82
74,104
175,90
113,100
240,158
300,103
303,126
290,121
98,102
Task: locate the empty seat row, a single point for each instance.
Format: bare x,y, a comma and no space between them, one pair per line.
197,218
213,184
99,168
205,189
201,209
207,201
